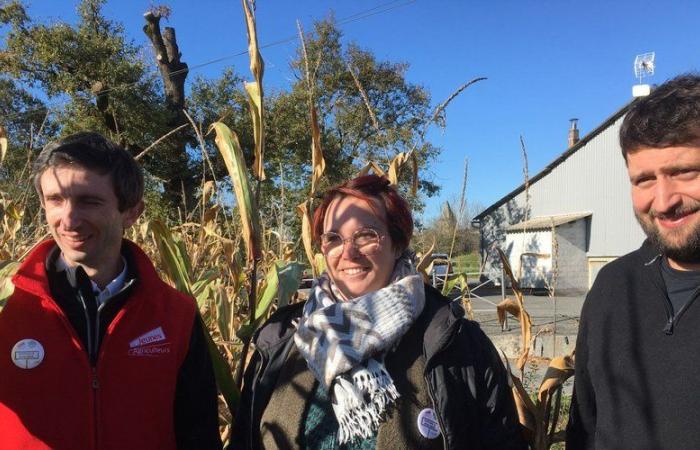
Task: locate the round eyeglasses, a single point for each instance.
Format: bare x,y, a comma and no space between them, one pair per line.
365,241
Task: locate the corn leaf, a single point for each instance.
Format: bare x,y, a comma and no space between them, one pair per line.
199,286
468,307
371,166
255,89
208,190
524,317
257,66
289,275
425,263
282,282
320,263
175,262
3,144
414,168
559,370
453,281
509,272
318,164
395,167
224,314
255,101
7,271
527,410
230,149
173,256
304,212
222,372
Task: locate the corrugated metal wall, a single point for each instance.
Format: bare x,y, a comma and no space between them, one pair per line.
593,179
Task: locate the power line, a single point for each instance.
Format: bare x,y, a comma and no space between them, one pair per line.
379,9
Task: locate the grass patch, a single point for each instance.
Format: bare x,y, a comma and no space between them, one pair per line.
469,262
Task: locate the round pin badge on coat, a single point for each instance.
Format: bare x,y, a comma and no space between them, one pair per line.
27,353
428,424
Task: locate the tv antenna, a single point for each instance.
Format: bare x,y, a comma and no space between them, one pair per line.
644,66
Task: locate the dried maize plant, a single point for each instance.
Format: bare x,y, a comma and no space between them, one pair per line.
255,88
3,144
318,163
19,232
539,417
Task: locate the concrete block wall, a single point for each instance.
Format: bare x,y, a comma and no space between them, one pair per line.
572,262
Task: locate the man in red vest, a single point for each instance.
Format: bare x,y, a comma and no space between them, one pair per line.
96,352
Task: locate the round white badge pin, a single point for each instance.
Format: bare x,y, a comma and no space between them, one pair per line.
428,424
27,353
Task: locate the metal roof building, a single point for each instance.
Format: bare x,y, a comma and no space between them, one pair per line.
578,216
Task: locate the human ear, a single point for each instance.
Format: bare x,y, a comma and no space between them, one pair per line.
132,214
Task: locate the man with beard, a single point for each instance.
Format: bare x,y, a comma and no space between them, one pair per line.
639,336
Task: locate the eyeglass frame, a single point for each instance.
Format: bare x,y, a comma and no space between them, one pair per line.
351,239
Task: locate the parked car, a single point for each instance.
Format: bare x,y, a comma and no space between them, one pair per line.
441,269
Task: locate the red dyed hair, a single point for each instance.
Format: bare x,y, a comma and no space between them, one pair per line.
370,187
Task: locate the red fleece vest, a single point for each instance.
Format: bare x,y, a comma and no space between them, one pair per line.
126,401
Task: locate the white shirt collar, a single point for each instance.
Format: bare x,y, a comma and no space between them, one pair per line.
109,291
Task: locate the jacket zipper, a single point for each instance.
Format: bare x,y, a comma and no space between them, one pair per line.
668,328
252,400
437,414
674,320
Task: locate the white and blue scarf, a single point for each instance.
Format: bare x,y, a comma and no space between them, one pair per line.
344,343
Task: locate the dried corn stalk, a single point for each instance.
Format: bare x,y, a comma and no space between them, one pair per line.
230,149
255,89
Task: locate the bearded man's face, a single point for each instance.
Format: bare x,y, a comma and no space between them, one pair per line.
666,199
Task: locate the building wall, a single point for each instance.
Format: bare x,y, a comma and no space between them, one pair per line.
594,179
532,271
571,260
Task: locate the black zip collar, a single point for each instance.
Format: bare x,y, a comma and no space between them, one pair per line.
652,269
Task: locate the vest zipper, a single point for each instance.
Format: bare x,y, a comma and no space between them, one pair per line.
95,387
89,329
437,414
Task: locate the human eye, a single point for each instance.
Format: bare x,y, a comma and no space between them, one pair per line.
91,201
365,237
330,240
686,174
643,181
52,199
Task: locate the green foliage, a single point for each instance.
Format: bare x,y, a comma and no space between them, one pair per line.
466,263
102,82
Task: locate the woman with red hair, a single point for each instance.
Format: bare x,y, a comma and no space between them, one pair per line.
375,358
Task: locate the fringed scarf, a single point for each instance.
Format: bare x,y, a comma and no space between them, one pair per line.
344,343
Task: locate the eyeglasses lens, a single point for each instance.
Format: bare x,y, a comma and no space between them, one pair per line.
365,242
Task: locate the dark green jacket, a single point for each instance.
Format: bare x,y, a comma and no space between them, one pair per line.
444,360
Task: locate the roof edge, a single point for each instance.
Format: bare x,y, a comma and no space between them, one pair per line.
560,159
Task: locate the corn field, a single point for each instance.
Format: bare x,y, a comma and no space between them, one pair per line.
239,270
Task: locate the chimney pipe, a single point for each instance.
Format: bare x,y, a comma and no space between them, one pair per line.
573,132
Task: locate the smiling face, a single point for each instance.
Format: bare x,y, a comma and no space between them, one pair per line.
84,219
666,199
356,274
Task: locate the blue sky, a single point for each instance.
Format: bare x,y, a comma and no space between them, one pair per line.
546,62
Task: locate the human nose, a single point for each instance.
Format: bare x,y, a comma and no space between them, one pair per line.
349,249
70,216
666,196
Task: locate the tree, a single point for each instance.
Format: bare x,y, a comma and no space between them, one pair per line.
441,229
104,85
117,94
